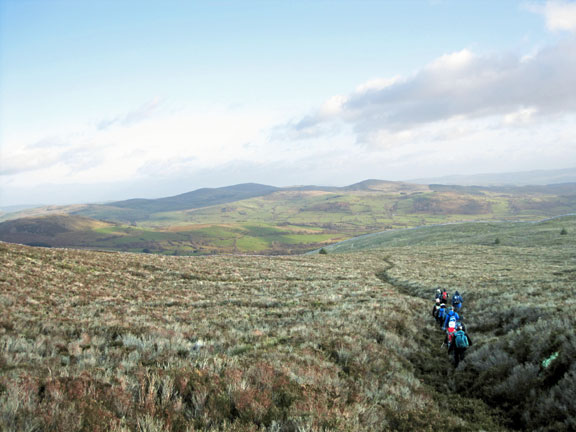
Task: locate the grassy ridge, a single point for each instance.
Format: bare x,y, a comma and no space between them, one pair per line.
364,211
108,341
111,341
519,308
539,233
196,199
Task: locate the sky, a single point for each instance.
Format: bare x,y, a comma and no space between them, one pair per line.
105,100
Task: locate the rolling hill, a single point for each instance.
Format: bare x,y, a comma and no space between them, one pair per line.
197,199
54,231
254,218
554,232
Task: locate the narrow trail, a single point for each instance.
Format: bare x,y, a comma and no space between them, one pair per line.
434,367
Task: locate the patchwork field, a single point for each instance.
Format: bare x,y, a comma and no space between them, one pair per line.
273,221
115,341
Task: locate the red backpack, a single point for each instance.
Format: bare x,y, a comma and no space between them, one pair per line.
451,332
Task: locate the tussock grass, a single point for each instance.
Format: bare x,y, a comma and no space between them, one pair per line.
109,341
520,311
123,342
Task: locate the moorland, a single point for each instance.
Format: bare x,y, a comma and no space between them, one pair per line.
260,219
340,341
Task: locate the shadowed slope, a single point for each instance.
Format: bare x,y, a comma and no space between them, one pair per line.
199,198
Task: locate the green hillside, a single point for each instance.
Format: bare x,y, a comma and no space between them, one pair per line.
192,239
289,220
55,231
196,199
542,233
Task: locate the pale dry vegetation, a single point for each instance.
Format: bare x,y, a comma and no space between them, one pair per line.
520,308
110,341
126,342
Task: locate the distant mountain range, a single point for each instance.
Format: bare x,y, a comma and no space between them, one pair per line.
199,198
524,178
214,196
138,209
256,218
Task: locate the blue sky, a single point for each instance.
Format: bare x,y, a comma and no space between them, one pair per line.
104,100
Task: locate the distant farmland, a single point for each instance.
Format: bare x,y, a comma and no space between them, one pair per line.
265,220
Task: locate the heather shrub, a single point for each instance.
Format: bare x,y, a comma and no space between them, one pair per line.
124,342
519,311
509,372
108,341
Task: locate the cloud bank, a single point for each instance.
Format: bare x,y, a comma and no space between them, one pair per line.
461,85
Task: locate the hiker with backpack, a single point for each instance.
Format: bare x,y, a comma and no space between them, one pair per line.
461,343
441,314
436,308
457,301
438,295
444,296
449,339
450,315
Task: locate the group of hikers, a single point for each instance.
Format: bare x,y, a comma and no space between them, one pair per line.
457,340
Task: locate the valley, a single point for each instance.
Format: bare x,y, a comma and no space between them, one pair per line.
259,219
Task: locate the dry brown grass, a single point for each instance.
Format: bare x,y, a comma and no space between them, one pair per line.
112,341
520,308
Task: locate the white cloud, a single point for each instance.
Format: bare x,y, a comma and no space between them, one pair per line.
462,112
333,106
452,61
457,85
22,161
560,15
377,84
520,117
74,151
142,142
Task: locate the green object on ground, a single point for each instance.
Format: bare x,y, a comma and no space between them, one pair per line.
546,362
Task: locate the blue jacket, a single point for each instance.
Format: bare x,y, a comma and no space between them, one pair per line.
450,314
457,298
